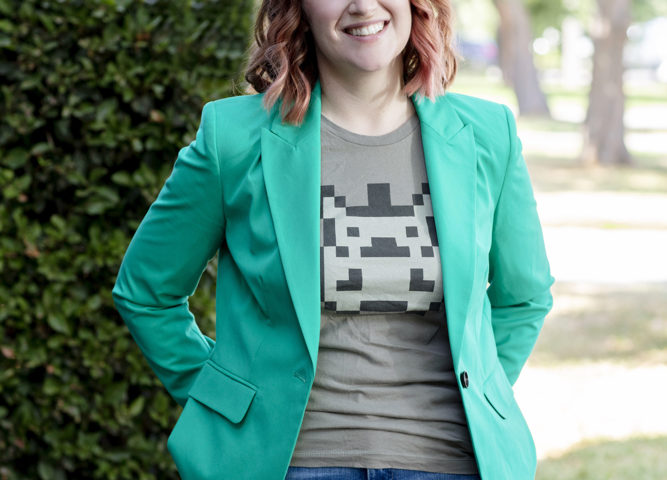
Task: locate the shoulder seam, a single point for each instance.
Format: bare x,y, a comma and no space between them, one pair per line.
211,106
509,154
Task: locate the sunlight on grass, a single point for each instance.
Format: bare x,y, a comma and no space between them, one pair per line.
553,174
623,323
641,458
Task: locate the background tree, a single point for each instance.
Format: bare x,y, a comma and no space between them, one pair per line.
515,40
604,128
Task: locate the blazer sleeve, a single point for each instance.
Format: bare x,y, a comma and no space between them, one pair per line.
167,255
519,273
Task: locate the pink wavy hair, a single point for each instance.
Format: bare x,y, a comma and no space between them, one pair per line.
282,62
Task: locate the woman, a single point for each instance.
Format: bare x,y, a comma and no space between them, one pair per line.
385,241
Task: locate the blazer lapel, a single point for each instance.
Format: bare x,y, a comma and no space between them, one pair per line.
291,167
451,166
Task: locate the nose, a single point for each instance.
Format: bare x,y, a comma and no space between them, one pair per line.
362,7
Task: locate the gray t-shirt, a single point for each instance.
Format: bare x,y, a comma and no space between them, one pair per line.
385,394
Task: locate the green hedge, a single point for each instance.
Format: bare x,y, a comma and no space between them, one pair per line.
96,99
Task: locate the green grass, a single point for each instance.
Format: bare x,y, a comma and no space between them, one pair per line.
641,458
553,174
594,323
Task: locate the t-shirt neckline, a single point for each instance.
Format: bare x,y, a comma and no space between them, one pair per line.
394,136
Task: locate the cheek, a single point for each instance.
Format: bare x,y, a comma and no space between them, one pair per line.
320,12
404,21
404,33
320,21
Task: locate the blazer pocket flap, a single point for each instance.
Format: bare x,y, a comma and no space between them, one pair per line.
223,392
498,392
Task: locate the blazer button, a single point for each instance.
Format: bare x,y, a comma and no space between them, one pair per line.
464,379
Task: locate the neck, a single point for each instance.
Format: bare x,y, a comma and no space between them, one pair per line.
367,103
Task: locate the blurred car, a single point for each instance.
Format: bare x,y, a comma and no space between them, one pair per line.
477,54
645,47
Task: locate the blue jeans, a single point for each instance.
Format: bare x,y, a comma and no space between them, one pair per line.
346,473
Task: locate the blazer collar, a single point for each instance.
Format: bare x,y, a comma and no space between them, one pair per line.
440,116
291,159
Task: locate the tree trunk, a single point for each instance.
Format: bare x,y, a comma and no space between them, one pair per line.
515,39
604,129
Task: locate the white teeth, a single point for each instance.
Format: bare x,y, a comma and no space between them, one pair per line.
367,30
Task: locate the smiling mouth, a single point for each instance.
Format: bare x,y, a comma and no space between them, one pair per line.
367,30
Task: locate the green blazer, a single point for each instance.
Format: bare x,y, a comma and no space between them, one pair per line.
248,189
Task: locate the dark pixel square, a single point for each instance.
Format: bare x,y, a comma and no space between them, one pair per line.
353,284
425,188
383,306
352,231
339,201
330,306
418,199
434,307
411,232
342,252
427,252
327,190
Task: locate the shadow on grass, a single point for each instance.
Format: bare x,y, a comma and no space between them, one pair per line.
557,174
589,322
630,459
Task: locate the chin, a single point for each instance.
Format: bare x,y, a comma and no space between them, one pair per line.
372,66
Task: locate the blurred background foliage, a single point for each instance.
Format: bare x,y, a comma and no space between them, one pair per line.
96,99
